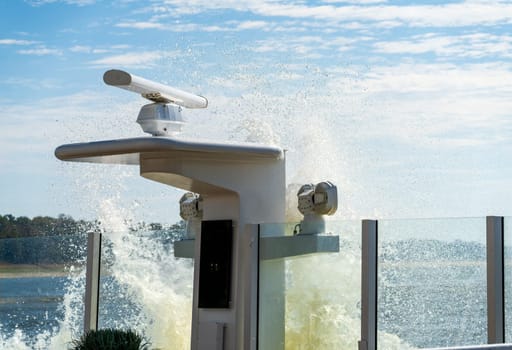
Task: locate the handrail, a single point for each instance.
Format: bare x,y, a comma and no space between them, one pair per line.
478,347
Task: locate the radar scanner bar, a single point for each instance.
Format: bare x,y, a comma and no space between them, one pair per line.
153,91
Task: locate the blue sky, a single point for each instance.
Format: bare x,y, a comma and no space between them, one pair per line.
406,105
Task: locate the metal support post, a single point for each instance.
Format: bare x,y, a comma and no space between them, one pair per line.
495,281
369,286
92,281
248,283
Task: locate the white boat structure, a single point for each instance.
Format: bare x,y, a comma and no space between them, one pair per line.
231,187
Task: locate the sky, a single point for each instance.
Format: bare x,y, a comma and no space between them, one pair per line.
405,105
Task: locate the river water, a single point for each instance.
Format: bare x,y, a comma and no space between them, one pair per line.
431,293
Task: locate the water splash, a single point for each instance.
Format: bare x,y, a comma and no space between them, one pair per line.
151,290
159,285
143,287
323,297
69,326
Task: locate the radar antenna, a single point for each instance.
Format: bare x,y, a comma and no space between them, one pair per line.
163,116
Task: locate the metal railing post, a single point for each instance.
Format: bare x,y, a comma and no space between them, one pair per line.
250,268
495,281
92,281
369,285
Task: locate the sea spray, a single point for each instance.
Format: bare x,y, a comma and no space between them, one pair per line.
319,128
69,324
322,302
143,287
323,297
146,289
156,283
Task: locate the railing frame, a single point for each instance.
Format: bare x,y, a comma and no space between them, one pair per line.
369,256
495,285
369,284
495,280
479,347
92,281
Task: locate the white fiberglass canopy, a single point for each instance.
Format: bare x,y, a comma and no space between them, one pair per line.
128,151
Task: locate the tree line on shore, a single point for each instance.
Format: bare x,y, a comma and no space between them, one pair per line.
48,240
41,226
44,226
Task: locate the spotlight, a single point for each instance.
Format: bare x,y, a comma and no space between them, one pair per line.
314,201
191,210
191,206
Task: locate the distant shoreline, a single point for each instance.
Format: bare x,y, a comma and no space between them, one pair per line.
28,270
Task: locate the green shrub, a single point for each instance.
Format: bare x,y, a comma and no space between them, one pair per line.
110,339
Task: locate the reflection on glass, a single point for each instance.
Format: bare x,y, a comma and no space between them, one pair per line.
143,287
432,283
42,280
321,293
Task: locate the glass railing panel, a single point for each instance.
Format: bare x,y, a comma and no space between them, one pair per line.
507,260
432,283
42,280
143,287
311,301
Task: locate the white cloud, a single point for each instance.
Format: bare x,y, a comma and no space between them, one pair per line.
89,49
41,51
304,44
439,77
214,29
16,42
356,2
139,59
141,25
69,2
80,2
433,105
467,45
448,15
172,27
79,112
120,47
250,25
81,49
32,131
178,26
185,27
330,15
466,13
34,84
